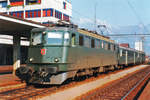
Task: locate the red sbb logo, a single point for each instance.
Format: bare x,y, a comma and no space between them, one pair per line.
43,51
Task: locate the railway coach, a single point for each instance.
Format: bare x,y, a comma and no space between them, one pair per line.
129,56
64,51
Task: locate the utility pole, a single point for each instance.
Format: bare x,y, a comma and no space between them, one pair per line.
95,23
142,40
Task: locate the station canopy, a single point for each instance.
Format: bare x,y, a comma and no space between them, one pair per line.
10,25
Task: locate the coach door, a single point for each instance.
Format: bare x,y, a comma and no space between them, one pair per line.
134,58
126,57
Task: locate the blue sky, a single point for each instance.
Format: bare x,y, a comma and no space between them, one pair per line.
116,14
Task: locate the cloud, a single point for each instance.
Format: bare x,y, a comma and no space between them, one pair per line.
90,24
85,21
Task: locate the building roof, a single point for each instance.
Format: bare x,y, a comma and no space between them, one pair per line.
125,45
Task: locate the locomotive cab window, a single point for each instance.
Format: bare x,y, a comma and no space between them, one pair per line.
97,42
55,38
81,40
92,43
36,39
66,38
73,39
87,42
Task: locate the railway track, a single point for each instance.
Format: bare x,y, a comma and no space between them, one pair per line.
25,93
34,92
136,91
119,89
31,92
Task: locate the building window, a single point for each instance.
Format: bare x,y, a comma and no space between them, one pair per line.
3,4
18,14
16,2
64,5
65,17
33,13
31,2
58,14
47,12
4,12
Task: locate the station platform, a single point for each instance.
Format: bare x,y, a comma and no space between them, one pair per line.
6,69
8,79
146,93
10,82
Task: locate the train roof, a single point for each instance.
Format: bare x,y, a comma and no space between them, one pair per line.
131,49
82,31
98,36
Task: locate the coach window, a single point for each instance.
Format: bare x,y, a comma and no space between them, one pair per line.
92,43
121,53
138,55
114,47
87,41
102,44
109,46
97,43
106,46
81,40
73,39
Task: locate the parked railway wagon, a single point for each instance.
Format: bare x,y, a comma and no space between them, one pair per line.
64,51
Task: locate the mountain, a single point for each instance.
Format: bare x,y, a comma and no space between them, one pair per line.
132,29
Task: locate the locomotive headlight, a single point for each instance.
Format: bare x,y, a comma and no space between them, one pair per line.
44,33
56,60
31,59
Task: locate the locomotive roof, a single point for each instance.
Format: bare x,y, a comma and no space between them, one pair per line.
98,36
85,32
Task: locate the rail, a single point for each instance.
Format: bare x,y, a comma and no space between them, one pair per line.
135,92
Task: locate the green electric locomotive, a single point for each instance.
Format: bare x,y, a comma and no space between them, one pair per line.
61,52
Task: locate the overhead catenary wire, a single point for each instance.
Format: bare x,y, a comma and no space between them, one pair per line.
83,15
136,14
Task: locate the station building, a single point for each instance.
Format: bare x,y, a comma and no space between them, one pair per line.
42,11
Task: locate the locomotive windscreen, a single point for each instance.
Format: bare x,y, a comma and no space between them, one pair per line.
36,38
48,37
55,38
